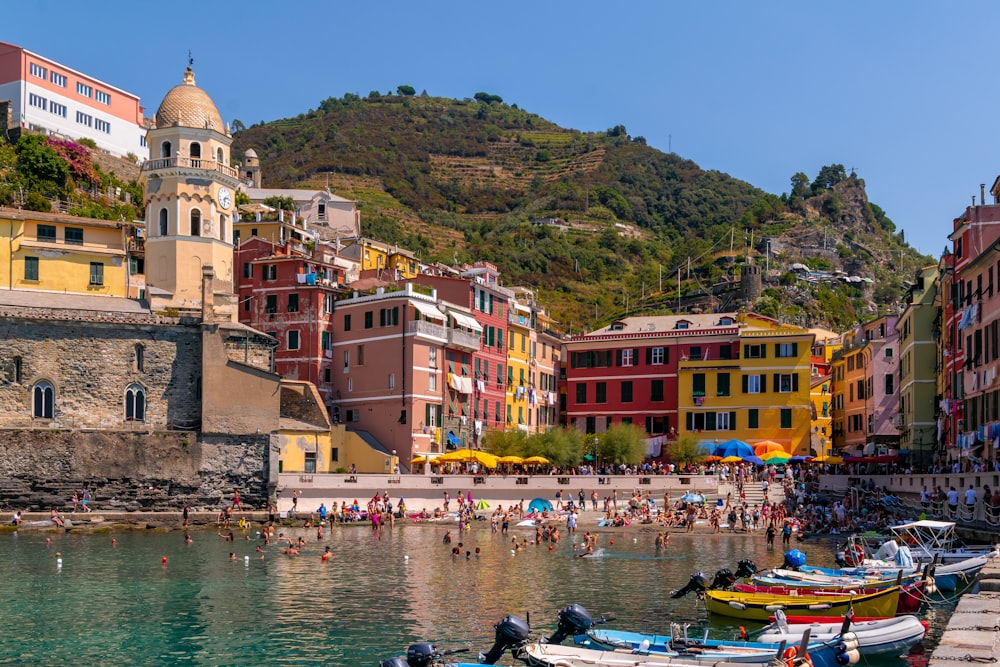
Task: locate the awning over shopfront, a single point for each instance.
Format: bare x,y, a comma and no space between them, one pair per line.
427,310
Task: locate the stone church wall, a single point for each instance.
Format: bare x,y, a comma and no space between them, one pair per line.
40,469
91,364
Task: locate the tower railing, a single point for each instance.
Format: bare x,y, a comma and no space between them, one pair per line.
190,163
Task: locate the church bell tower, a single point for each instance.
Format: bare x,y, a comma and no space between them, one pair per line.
190,208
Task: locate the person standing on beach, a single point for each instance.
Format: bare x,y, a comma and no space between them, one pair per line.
447,500
571,522
187,512
593,499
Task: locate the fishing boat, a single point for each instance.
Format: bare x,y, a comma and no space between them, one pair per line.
831,652
910,596
539,654
760,606
947,577
883,637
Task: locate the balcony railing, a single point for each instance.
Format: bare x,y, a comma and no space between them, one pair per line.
428,329
468,341
190,163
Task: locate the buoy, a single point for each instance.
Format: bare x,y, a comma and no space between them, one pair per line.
737,605
634,540
612,543
774,607
550,547
163,560
246,560
406,558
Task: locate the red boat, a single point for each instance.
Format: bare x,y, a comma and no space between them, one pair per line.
910,595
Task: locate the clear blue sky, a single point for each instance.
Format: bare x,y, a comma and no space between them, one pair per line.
759,90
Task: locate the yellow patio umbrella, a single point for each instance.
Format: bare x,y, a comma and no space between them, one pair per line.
765,446
536,461
417,460
731,459
510,459
827,458
469,456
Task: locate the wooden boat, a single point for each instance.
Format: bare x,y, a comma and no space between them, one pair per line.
910,596
760,606
883,637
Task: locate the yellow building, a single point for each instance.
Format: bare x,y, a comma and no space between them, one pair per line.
821,393
520,330
397,263
63,253
757,392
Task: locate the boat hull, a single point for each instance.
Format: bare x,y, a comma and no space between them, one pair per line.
910,596
760,606
556,655
887,637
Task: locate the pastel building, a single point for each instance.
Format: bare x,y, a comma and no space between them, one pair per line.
866,396
918,338
821,390
975,319
521,333
45,96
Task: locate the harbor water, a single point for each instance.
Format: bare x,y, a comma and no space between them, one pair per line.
121,604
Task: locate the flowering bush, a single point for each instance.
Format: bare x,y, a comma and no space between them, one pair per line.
77,158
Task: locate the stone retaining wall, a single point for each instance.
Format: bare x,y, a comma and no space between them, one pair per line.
40,469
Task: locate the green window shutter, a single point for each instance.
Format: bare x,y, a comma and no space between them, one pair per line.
776,383
746,383
649,356
753,417
709,421
795,382
732,421
795,349
618,357
763,351
689,419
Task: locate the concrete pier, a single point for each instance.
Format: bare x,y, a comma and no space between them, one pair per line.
973,632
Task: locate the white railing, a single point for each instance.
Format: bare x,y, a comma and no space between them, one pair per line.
191,163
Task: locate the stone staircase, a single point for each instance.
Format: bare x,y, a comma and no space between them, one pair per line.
754,493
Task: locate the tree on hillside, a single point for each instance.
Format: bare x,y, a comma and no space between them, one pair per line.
829,176
237,125
39,163
486,98
406,91
800,187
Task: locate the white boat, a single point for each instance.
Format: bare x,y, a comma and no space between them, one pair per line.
538,654
927,541
890,636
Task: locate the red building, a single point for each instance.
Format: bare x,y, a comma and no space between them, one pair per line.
290,295
627,371
479,291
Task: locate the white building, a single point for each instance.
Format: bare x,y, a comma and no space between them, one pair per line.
45,96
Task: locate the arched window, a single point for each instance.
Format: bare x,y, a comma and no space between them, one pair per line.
43,400
140,357
195,150
195,222
135,403
163,222
166,150
220,156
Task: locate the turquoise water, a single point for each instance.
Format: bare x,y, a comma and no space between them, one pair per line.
119,605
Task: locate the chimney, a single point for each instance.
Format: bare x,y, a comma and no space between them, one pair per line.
207,293
982,194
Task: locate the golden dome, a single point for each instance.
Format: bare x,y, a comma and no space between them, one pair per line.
188,105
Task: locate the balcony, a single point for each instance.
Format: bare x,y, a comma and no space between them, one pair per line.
463,340
436,331
189,163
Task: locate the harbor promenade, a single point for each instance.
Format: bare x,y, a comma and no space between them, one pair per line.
973,630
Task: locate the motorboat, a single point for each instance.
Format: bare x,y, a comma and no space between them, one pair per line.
952,576
911,596
926,541
760,606
829,653
540,654
884,637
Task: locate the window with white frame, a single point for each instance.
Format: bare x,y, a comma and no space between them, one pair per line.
347,361
723,422
786,383
37,70
43,396
58,79
754,351
656,356
58,109
83,89
102,97
38,101
432,357
350,384
753,384
392,380
84,119
432,382
627,357
787,349
102,125
135,403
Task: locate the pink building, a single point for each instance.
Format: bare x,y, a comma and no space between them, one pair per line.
291,296
866,388
479,291
405,369
974,403
49,97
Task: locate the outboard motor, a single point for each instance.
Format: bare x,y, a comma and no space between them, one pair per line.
573,620
745,568
698,583
420,655
723,579
393,662
511,631
794,559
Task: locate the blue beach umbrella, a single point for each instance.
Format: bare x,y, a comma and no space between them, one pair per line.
734,448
